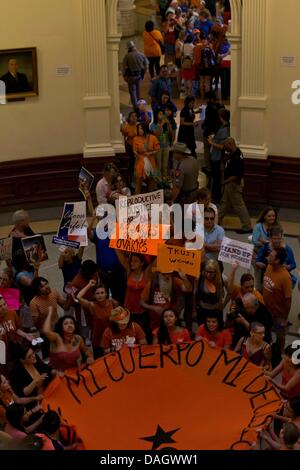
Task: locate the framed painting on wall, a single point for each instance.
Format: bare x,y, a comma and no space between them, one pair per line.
18,73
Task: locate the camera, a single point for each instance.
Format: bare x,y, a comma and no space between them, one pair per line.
238,310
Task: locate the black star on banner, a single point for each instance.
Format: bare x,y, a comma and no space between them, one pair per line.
161,437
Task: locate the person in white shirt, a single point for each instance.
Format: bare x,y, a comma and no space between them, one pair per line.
103,188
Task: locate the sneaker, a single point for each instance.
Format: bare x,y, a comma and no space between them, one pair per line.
240,231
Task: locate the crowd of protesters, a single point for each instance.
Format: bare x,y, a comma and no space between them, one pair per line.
121,299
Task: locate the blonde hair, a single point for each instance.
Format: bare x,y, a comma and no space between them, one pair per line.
215,266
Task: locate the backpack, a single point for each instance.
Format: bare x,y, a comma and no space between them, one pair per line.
208,58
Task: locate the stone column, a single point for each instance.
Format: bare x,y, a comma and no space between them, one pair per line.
128,20
235,54
113,43
253,99
97,100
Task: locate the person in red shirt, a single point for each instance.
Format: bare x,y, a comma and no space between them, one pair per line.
213,331
170,330
138,274
121,332
289,368
100,308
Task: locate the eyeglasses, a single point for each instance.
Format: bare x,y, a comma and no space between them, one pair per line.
209,218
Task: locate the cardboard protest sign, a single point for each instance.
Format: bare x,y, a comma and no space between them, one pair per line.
85,181
176,258
130,207
236,399
11,296
35,249
233,250
5,249
59,241
140,240
73,224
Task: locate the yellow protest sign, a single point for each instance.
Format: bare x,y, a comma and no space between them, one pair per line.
176,258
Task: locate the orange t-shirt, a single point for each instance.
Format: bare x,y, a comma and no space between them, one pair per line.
129,336
145,144
39,307
129,131
151,46
100,320
9,324
277,287
177,336
237,293
222,339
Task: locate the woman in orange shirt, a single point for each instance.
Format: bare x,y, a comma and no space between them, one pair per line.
145,146
170,330
152,50
129,131
213,331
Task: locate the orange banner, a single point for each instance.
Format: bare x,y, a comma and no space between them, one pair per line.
176,258
185,396
144,239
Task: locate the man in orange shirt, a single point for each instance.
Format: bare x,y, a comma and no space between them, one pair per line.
277,293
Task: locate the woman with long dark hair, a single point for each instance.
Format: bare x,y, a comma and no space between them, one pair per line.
170,330
100,308
66,346
213,331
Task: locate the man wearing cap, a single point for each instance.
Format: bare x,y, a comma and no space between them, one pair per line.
122,332
134,67
185,181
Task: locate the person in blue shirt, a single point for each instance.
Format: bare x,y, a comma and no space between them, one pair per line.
161,84
110,269
204,23
276,241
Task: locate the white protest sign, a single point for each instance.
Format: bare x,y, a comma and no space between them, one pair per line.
233,250
73,224
5,248
130,207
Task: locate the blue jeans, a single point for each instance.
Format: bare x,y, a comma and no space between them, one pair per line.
134,89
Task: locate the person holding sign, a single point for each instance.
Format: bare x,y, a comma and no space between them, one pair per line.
138,274
164,290
233,186
170,330
246,285
100,308
20,230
